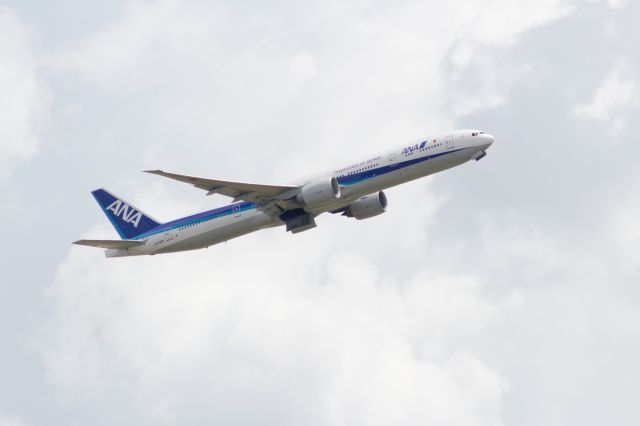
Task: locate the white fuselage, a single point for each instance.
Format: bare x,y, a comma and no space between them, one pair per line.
368,176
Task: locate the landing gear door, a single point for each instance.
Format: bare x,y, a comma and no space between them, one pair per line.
449,142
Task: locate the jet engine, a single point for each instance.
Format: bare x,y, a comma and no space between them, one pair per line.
320,192
367,206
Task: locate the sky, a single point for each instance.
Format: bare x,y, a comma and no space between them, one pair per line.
501,292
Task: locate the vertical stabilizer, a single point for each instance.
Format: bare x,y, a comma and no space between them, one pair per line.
128,220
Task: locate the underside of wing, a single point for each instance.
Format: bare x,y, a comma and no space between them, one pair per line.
109,244
252,192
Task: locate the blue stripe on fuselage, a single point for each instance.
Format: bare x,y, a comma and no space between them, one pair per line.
368,174
199,218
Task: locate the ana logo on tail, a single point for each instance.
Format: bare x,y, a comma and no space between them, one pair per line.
126,212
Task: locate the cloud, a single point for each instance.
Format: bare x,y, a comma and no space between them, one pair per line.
222,68
386,321
501,23
617,4
615,95
248,335
623,226
121,50
24,99
11,421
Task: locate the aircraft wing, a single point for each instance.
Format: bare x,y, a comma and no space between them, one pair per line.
109,244
252,192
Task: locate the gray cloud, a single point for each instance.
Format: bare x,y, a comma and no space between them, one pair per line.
331,341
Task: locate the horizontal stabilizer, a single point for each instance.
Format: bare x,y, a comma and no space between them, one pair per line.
109,244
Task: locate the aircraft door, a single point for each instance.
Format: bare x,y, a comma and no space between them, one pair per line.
236,211
449,142
393,160
168,236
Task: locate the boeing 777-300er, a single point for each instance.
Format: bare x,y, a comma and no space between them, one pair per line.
354,190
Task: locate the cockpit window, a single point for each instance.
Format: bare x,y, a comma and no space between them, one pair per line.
477,133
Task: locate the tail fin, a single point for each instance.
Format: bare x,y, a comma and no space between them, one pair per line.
127,219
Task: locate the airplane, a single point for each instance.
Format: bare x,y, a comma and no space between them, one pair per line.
355,190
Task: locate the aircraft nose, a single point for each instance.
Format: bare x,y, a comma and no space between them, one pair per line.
487,140
481,141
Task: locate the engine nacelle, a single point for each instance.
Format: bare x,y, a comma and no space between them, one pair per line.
320,192
367,206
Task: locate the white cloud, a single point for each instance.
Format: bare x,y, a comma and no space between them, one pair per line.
615,96
501,23
124,47
623,227
24,100
322,339
225,69
11,421
617,4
